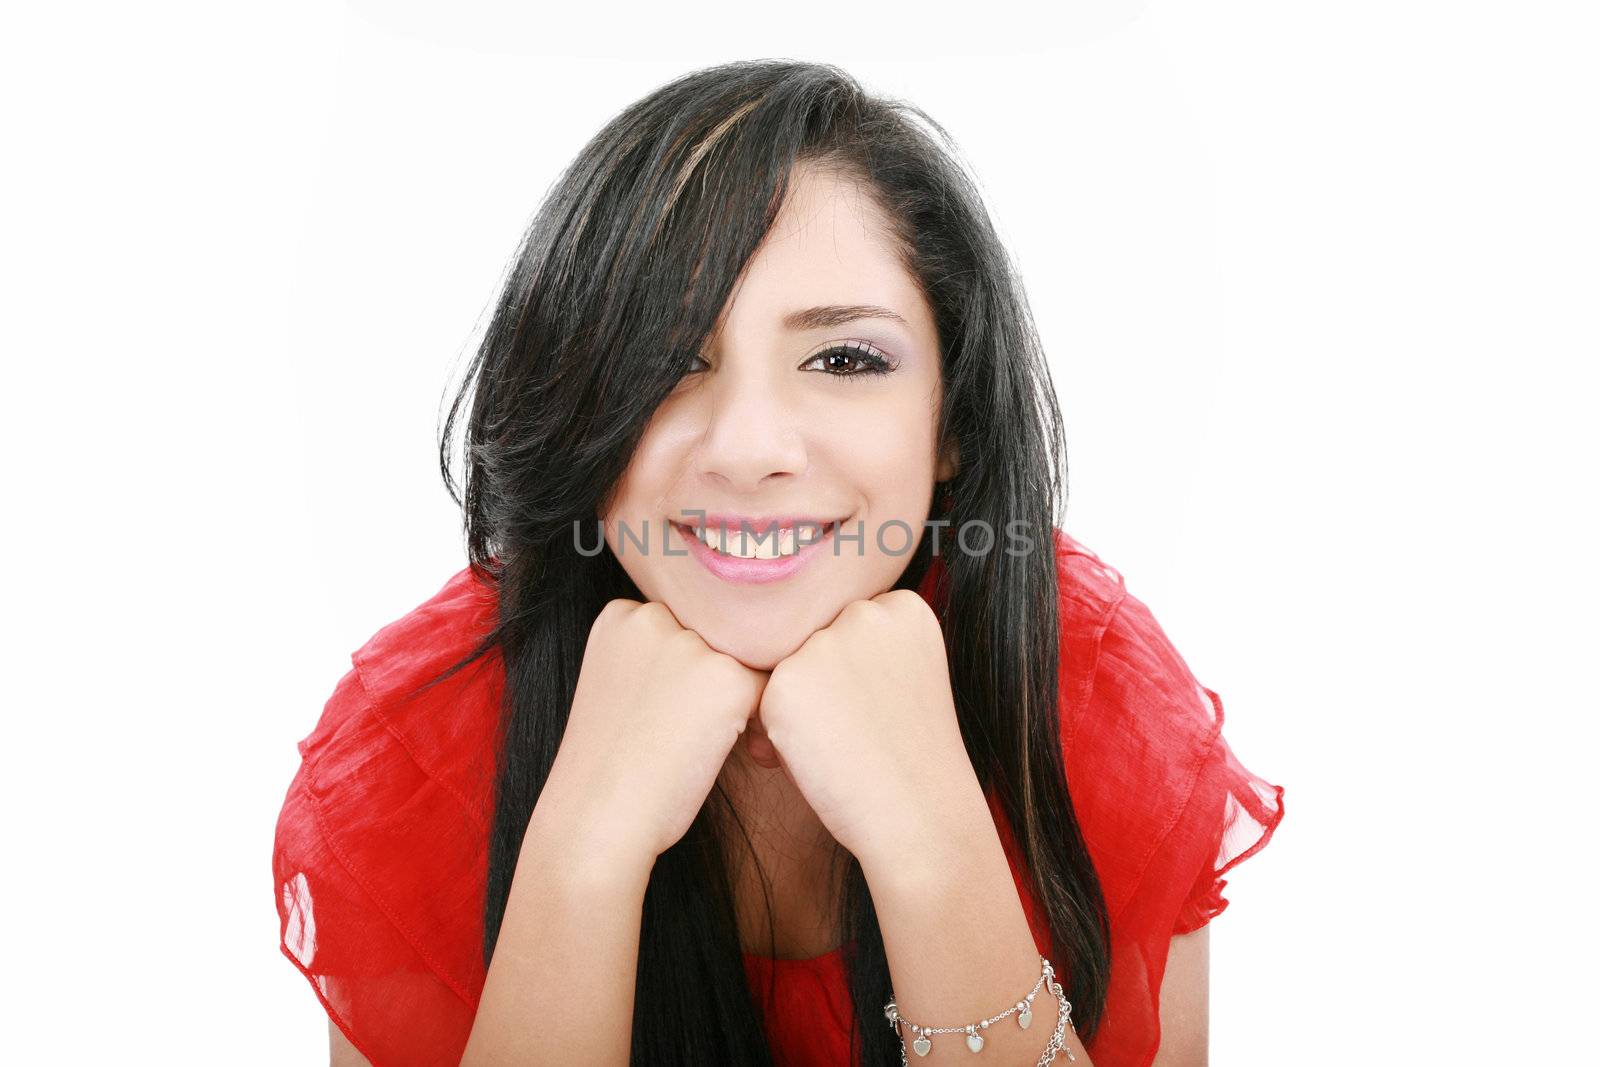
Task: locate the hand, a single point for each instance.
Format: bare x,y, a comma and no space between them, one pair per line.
863,720
654,715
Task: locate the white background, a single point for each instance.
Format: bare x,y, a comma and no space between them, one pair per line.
1319,286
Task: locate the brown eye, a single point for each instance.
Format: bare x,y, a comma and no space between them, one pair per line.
853,360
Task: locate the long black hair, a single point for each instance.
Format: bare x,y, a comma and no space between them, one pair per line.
620,278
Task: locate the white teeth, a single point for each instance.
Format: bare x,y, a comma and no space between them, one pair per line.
750,544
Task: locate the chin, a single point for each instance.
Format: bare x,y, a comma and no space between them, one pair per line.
757,651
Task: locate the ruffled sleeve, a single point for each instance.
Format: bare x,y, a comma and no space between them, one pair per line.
1166,807
1234,812
1218,812
380,843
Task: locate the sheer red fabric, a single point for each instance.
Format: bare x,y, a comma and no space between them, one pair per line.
381,844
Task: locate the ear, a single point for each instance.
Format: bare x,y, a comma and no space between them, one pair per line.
949,461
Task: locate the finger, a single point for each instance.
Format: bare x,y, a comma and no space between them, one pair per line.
756,685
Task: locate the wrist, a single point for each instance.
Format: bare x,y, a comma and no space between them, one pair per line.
922,857
562,840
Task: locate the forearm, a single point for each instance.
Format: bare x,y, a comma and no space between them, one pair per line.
958,942
560,987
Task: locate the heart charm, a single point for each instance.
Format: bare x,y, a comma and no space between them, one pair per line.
1025,1017
975,1042
922,1045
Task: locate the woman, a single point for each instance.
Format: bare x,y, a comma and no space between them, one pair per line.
774,720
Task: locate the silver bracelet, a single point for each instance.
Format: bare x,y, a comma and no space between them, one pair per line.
923,1040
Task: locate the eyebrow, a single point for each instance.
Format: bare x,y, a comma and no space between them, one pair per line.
822,317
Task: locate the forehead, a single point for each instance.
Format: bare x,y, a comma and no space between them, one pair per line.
830,244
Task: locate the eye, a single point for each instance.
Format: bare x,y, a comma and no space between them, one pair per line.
853,359
696,364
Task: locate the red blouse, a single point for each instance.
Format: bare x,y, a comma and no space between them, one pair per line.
381,846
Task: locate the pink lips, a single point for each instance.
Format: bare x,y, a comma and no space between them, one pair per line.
753,571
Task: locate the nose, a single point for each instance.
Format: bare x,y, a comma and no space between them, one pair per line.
752,435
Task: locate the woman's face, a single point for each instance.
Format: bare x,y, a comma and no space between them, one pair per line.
775,423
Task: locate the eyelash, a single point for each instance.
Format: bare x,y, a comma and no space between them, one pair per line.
871,361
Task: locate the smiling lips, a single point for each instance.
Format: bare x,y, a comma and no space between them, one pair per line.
756,550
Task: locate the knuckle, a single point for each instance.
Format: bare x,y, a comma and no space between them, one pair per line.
898,599
612,617
721,661
656,615
861,609
907,604
781,672
729,670
686,640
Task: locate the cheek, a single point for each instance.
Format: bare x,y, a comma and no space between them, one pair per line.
890,458
633,503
